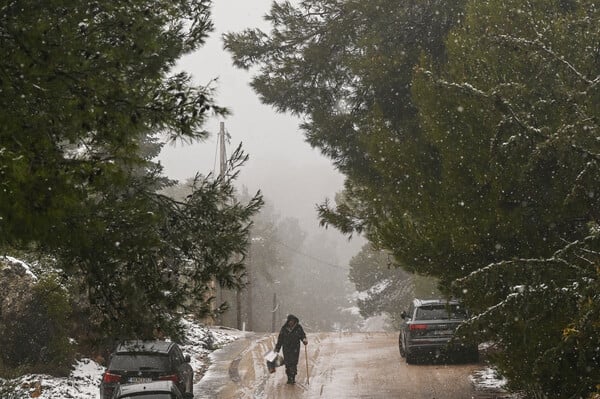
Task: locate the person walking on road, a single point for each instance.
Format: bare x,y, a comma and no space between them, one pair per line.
289,339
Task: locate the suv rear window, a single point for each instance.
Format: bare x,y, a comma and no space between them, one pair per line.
139,361
441,312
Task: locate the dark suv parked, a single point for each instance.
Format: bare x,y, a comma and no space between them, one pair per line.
428,329
145,361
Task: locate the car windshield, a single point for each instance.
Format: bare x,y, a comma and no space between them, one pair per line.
440,312
142,361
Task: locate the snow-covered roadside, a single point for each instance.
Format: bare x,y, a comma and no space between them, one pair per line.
85,378
200,342
487,383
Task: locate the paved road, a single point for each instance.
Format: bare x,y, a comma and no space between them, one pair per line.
345,366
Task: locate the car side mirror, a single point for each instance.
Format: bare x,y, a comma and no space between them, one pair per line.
403,315
187,358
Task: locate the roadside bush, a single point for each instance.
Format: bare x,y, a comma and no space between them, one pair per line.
34,336
8,390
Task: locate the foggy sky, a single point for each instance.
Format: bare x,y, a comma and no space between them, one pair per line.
291,175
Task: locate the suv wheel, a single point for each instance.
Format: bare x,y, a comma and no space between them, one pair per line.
401,347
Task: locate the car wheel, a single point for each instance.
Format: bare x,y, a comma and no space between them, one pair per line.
401,347
190,390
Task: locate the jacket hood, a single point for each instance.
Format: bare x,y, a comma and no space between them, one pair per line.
292,317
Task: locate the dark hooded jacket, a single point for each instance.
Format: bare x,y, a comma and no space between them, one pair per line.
289,340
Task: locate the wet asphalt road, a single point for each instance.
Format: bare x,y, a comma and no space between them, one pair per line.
345,366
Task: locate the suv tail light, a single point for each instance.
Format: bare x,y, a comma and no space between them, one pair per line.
111,378
170,377
418,327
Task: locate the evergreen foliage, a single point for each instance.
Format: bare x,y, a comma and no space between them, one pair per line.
385,287
88,96
356,101
467,132
382,287
514,115
81,85
35,336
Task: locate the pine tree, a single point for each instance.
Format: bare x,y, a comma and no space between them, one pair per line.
513,115
88,95
383,287
467,135
347,67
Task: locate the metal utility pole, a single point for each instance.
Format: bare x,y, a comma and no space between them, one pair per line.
218,291
222,171
249,292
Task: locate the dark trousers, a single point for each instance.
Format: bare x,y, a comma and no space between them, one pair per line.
291,369
290,359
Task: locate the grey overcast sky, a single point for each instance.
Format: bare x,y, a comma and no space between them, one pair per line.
292,176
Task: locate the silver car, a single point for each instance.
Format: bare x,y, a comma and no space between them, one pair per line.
428,330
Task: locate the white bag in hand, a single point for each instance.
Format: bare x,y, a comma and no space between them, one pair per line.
274,360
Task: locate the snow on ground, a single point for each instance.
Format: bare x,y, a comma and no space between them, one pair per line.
200,342
85,378
11,260
489,380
